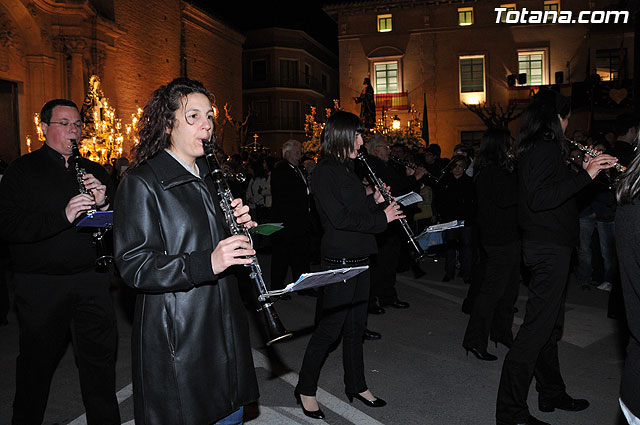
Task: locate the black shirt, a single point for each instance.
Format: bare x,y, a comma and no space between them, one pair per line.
547,208
454,199
33,195
349,217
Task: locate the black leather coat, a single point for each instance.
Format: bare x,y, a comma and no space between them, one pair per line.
192,360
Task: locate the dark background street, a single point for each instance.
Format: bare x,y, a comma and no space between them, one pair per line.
419,366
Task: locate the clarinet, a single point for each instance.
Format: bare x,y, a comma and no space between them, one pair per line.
104,255
594,153
414,167
80,172
389,199
276,331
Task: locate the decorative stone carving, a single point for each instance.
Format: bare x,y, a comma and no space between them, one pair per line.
8,33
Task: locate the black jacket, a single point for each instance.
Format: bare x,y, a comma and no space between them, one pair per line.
192,360
547,208
497,198
34,192
349,217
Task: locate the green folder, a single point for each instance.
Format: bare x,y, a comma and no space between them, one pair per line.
267,228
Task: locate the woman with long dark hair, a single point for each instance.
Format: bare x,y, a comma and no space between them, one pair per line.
548,216
627,228
496,188
349,218
191,356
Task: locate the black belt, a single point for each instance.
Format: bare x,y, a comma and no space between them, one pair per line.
356,261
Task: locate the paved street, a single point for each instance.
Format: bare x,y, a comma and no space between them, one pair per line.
418,367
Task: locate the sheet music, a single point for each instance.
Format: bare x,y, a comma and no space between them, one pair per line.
317,279
408,199
443,226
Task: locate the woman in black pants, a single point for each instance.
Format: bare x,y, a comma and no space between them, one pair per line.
349,218
548,216
496,187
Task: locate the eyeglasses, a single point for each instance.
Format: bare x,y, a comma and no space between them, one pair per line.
66,124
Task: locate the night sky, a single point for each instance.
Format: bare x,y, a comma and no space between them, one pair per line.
304,15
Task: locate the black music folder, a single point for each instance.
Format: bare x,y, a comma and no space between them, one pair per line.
97,219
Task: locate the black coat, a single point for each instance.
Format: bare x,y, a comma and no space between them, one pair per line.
192,360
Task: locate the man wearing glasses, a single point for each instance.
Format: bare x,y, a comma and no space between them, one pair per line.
58,292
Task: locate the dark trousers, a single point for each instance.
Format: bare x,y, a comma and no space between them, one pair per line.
492,313
535,349
49,308
461,241
344,311
384,265
290,249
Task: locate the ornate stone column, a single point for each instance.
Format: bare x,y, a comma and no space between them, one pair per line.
75,77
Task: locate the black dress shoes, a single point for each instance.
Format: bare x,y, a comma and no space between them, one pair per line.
315,414
369,335
378,402
566,402
481,354
396,304
530,421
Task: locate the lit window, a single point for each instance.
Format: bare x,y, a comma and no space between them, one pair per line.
465,16
386,77
532,63
510,7
552,5
608,63
472,86
384,23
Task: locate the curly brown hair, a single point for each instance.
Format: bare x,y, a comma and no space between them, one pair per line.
158,117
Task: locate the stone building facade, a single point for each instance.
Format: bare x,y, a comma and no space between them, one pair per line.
50,48
454,51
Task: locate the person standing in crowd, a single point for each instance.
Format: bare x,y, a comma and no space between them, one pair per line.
383,281
191,355
598,212
57,287
434,165
496,188
548,216
454,199
290,206
627,230
349,218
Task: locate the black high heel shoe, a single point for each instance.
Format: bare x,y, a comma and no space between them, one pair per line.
315,414
481,355
378,402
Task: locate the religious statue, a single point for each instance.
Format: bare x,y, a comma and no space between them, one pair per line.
368,107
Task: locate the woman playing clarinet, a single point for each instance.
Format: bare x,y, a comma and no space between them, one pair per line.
350,216
191,356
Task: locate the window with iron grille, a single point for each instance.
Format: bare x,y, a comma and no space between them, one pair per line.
532,64
609,63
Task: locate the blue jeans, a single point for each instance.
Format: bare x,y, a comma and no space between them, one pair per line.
233,419
606,234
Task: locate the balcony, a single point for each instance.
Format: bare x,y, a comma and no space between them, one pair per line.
392,102
300,81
